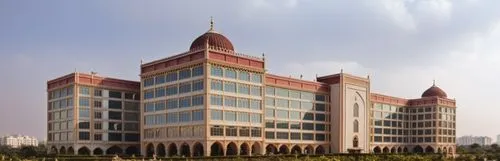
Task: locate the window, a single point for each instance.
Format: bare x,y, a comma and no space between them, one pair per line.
307,136
184,102
198,85
231,131
243,117
84,102
256,132
320,98
282,125
320,107
321,137
282,92
255,104
216,85
257,78
295,125
230,116
270,91
270,135
356,126
216,114
295,115
270,101
282,114
307,96
230,73
84,136
171,77
159,92
84,90
160,106
295,136
97,104
149,82
230,101
282,103
115,136
216,71
230,87
256,118
115,104
172,117
244,131
356,110
294,94
185,117
255,91
197,115
160,79
308,116
171,90
307,126
320,127
82,125
320,117
172,103
98,115
185,73
97,137
97,92
197,71
269,113
307,105
129,116
216,100
243,103
269,124
149,94
197,100
185,87
244,76
132,137
244,89
216,131
84,113
115,94
98,126
149,107
281,135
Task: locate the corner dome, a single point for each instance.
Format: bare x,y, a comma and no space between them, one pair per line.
213,38
434,91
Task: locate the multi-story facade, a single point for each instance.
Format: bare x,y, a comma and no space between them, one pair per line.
17,141
213,101
469,140
92,115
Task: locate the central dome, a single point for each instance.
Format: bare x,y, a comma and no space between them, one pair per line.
434,91
213,39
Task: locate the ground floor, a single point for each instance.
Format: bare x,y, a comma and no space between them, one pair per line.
93,149
450,149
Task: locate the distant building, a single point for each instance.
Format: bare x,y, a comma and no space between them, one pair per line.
17,141
469,140
498,139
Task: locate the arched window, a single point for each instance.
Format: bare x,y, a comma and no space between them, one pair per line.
356,127
355,142
356,110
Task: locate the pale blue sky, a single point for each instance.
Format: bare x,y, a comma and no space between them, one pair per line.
403,45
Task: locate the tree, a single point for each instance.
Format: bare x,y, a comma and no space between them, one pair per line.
28,152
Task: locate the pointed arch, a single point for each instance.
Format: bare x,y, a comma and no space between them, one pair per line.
84,151
98,151
386,150
296,150
271,149
429,149
231,149
355,142
309,149
62,150
450,150
284,149
405,150
53,150
445,150
355,110
244,149
377,150
198,150
418,149
320,150
172,149
150,150
114,150
393,150
400,150
216,149
132,150
439,150
256,148
185,150
160,150
70,151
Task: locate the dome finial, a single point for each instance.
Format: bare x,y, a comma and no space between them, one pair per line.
434,82
211,23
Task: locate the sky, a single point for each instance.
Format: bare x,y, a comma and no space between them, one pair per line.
402,44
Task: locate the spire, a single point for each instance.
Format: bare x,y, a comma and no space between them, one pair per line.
211,23
434,82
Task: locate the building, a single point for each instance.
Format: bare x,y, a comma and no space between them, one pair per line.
17,141
498,139
469,140
90,114
213,101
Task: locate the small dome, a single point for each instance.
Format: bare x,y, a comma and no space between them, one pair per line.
434,91
214,40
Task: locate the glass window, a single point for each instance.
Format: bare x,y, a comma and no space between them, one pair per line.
115,104
356,110
255,104
198,85
171,77
307,95
294,94
216,71
281,125
149,94
172,103
270,135
243,103
216,100
229,116
270,101
294,104
320,127
172,117
282,103
115,115
198,100
185,117
257,78
216,114
308,116
185,87
320,107
320,117
160,79
149,107
281,135
185,73
230,73
320,98
244,76
255,91
269,124
230,101
97,92
295,115
84,113
295,125
84,102
185,102
282,92
197,115
269,113
243,117
171,90
83,90
256,118
295,136
307,126
160,92
160,106
216,131
149,120
84,136
244,89
197,71
320,137
149,82
216,85
282,114
115,94
307,105
230,87
270,91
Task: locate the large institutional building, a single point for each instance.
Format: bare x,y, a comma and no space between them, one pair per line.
213,101
17,141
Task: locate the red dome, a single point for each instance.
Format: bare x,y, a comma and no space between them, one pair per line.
214,40
434,91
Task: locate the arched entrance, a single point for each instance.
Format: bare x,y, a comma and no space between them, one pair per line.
216,149
400,150
385,150
185,150
98,151
296,150
198,150
160,150
450,150
445,150
244,149
70,151
320,150
62,150
53,150
271,149
309,150
439,150
405,150
283,149
114,150
256,148
418,149
172,150
231,149
429,149
132,150
84,151
393,150
377,150
150,150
